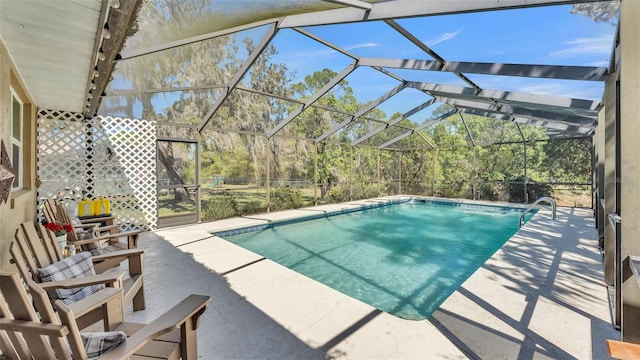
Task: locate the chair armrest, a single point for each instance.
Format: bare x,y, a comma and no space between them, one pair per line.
97,219
97,228
86,226
95,300
127,234
111,279
190,308
106,228
118,254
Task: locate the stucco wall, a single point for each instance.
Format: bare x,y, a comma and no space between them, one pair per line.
630,166
21,205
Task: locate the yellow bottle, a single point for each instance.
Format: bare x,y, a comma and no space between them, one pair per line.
88,208
96,206
81,208
103,205
107,205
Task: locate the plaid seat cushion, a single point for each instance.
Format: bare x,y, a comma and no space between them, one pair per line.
75,266
93,248
98,343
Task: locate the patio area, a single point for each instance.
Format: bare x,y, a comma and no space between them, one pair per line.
542,295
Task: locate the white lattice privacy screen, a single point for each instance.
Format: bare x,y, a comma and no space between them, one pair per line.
110,157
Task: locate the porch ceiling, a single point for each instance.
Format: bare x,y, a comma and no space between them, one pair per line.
64,50
52,44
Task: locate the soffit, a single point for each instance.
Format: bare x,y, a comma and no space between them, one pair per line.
52,44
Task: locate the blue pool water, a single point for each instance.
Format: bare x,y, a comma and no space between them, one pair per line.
404,259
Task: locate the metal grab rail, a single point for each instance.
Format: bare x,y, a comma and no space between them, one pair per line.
544,198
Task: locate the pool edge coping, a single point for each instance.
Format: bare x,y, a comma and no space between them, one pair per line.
350,207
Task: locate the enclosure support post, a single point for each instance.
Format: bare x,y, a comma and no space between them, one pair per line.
473,179
199,187
526,194
434,158
350,172
400,173
378,169
315,174
268,156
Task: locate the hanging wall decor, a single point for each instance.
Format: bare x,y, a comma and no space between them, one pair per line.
6,174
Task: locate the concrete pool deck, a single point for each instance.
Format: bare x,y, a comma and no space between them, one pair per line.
542,295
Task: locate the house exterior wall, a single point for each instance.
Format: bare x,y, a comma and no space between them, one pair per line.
21,204
630,165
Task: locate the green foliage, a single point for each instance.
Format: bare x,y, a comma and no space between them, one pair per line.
285,198
252,207
357,191
219,207
534,190
339,194
459,188
489,191
364,191
568,161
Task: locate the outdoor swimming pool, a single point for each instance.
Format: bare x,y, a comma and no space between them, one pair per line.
404,259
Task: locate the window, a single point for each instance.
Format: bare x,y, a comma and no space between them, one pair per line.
16,139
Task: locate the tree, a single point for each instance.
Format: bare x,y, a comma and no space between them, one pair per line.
604,11
568,160
170,165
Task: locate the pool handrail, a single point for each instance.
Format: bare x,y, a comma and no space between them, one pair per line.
544,198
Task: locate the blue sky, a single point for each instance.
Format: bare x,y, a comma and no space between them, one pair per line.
544,35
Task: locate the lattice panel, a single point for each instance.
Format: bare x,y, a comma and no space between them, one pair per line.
61,156
111,157
132,145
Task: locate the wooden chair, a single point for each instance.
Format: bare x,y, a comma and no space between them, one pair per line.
30,252
105,305
623,350
29,328
109,236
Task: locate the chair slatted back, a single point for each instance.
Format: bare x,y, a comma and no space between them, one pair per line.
32,339
32,252
55,212
19,260
62,213
49,210
50,244
19,348
42,246
64,218
47,315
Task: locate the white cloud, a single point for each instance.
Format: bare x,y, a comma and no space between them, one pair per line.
585,46
443,37
313,54
360,46
562,90
329,51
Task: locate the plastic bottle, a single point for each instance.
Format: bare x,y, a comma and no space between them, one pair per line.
81,208
88,208
97,207
107,205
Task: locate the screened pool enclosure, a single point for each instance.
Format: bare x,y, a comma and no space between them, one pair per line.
239,107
